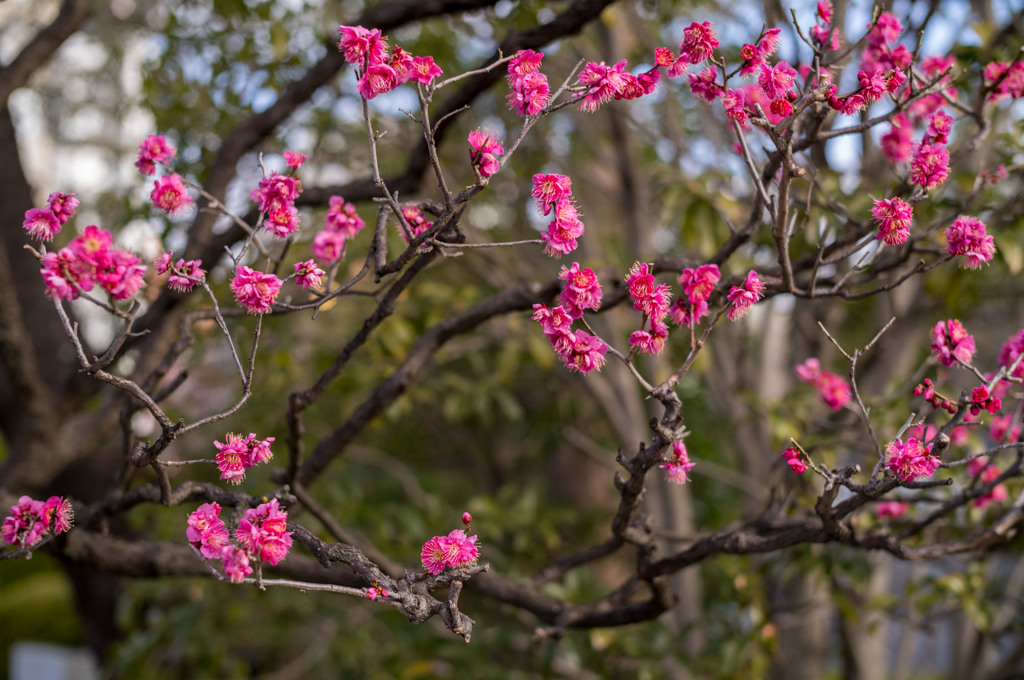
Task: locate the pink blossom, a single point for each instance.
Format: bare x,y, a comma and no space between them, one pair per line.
343,218
417,221
891,509
262,532
986,472
1008,79
57,275
374,593
466,519
255,290
294,159
549,189
29,520
743,297
894,216
557,325
794,459
732,102
231,458
1010,351
486,150
206,531
92,247
603,83
360,45
687,313
152,150
897,143
560,238
236,563
170,195
329,246
582,290
651,341
308,274
939,127
433,557
62,205
930,166
276,196
185,275
423,70
910,460
833,390
378,79
1005,428
967,237
41,224
776,81
58,514
678,465
699,283
827,37
586,352
124,275
704,84
699,42
824,11
402,62
530,89
951,342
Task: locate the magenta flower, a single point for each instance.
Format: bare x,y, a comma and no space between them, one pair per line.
256,291
832,389
586,353
236,563
170,195
206,531
930,166
678,465
951,342
891,509
41,224
687,313
29,520
329,246
894,216
776,81
432,555
530,89
486,150
262,532
124,275
557,325
967,237
794,459
582,290
294,159
423,70
744,297
910,460
362,44
1010,351
939,127
152,150
232,456
549,189
343,218
699,283
58,275
453,550
560,238
185,275
650,341
374,593
987,473
602,82
308,274
705,85
897,144
699,42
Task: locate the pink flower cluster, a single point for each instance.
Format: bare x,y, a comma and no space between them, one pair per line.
821,33
454,550
43,224
652,299
743,297
530,89
381,72
982,400
832,389
897,143
756,56
986,473
376,591
894,216
891,509
171,195
276,196
341,223
1011,351
582,290
678,465
579,350
30,520
238,454
184,274
152,150
260,535
308,274
294,159
930,165
697,285
486,151
256,291
795,460
417,221
91,260
926,389
967,237
910,460
553,193
882,53
1007,80
951,342
602,83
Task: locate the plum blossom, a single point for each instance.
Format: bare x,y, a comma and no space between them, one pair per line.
910,460
743,297
951,343
530,89
236,563
256,291
986,473
586,352
967,237
564,229
152,150
262,532
794,459
41,224
894,216
30,520
603,83
170,195
582,290
308,274
833,390
238,454
891,509
294,159
454,550
699,42
206,531
930,166
1010,352
486,151
678,465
